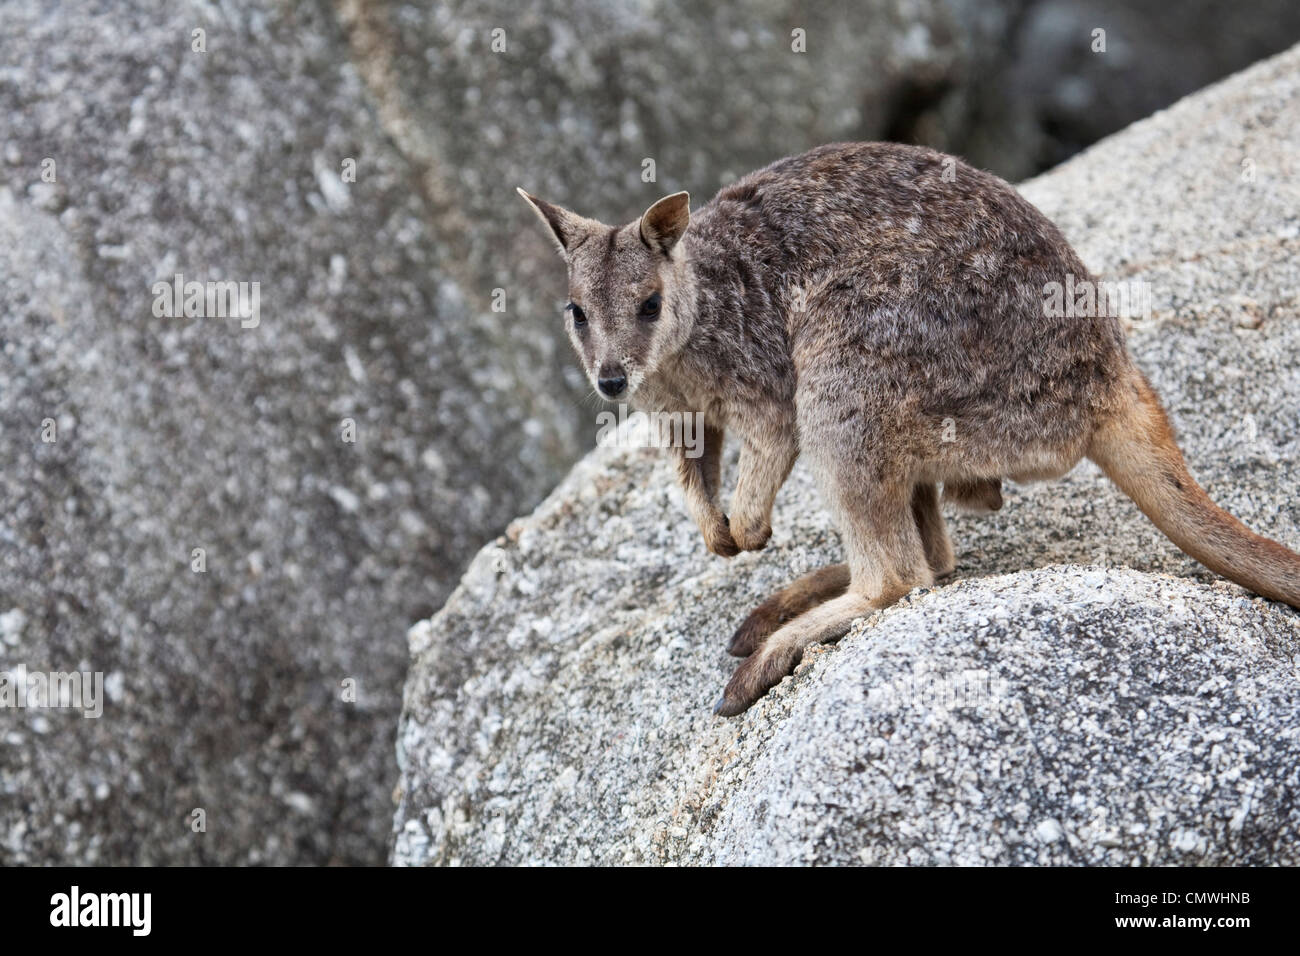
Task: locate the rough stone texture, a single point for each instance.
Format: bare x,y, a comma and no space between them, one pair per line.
175,434
1134,709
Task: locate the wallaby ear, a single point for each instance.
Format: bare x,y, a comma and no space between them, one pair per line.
567,228
664,223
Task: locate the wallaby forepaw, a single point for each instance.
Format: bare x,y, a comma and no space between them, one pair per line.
718,539
751,537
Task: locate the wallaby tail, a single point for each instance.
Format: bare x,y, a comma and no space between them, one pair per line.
1135,448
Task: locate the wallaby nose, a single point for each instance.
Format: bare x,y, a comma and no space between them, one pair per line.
611,381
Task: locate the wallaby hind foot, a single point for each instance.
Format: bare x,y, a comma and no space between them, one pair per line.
779,654
805,593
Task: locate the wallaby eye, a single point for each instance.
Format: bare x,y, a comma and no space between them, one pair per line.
650,307
579,317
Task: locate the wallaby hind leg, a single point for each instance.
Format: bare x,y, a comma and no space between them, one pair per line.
886,560
934,534
804,594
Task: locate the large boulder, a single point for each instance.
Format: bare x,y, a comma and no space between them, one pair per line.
1080,692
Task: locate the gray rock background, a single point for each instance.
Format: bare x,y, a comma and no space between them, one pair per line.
377,305
1081,693
1047,94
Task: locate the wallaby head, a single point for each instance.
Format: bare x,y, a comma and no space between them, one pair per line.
631,296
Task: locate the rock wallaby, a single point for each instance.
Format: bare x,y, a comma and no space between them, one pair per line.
882,310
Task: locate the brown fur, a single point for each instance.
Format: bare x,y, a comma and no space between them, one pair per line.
977,497
805,593
878,309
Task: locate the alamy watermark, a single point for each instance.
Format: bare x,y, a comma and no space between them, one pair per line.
943,691
68,690
1087,298
637,429
130,910
215,299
